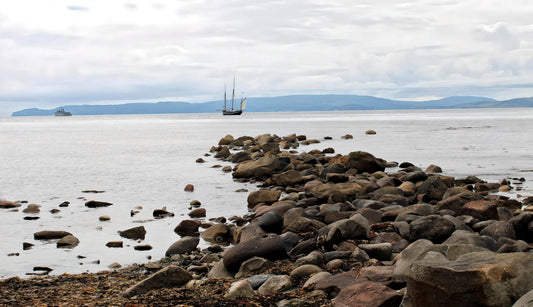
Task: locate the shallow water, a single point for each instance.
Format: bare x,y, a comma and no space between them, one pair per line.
146,160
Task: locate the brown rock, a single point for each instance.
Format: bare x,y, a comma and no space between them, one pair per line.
481,209
263,196
368,294
198,213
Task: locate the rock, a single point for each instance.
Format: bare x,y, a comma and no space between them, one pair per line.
525,301
135,233
270,222
116,244
315,257
365,162
433,227
370,132
27,245
432,188
280,207
252,266
275,284
499,229
171,276
260,168
161,213
104,218
217,233
433,169
97,204
183,246
198,213
368,294
6,204
69,241
240,288
257,280
114,265
219,271
270,247
456,202
32,208
50,234
288,178
227,169
474,279
347,137
304,271
226,140
522,226
189,188
54,211
263,196
64,204
379,251
142,247
187,228
481,209
467,237
200,160
316,278
223,153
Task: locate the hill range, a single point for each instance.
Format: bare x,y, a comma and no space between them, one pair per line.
293,103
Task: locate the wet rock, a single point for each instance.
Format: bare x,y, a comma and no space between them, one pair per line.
368,294
183,246
433,227
189,188
104,218
198,213
6,204
64,204
50,234
161,213
142,247
27,245
263,196
432,188
499,229
365,162
260,168
370,132
379,251
114,265
97,204
187,228
226,140
433,169
223,153
135,233
219,271
32,209
304,271
115,244
270,247
315,257
481,209
171,276
288,178
69,241
217,233
270,222
252,266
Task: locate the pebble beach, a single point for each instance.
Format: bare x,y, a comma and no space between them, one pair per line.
323,229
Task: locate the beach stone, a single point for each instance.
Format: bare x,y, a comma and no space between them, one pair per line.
135,233
240,288
217,233
187,227
257,280
252,266
248,232
379,251
480,209
365,162
468,237
226,140
223,153
6,204
27,245
347,137
315,258
368,294
183,246
97,204
32,208
474,279
259,168
432,188
104,218
316,278
522,226
142,247
69,241
50,234
189,188
525,301
115,244
171,276
513,246
219,271
433,227
290,239
270,247
198,213
263,196
337,282
270,222
227,169
304,271
370,131
281,207
433,169
456,202
275,284
499,229
288,178
161,213
114,265
240,156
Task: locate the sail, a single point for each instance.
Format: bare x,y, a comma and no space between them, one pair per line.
243,104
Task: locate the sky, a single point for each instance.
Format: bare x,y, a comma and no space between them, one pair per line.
60,52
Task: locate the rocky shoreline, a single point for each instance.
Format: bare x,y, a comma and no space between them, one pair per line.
323,230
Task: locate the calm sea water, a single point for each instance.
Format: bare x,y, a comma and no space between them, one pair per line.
146,160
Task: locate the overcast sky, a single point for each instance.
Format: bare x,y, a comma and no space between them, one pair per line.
55,52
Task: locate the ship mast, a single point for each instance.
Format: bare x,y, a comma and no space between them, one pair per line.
233,94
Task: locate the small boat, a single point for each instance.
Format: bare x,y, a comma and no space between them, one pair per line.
62,112
230,110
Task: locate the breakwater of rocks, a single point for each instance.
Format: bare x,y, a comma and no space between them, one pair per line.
346,230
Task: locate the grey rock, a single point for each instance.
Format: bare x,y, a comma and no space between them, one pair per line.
171,276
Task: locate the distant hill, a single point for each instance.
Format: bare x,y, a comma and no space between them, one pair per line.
288,104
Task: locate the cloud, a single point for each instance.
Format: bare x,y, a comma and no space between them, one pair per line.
124,50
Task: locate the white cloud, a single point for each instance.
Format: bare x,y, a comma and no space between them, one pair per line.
97,51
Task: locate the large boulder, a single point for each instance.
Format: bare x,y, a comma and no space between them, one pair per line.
481,209
432,227
183,246
270,247
365,162
432,188
257,168
474,279
171,276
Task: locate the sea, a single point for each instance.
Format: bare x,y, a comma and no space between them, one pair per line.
144,162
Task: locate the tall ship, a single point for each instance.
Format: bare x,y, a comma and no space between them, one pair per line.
62,112
230,109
